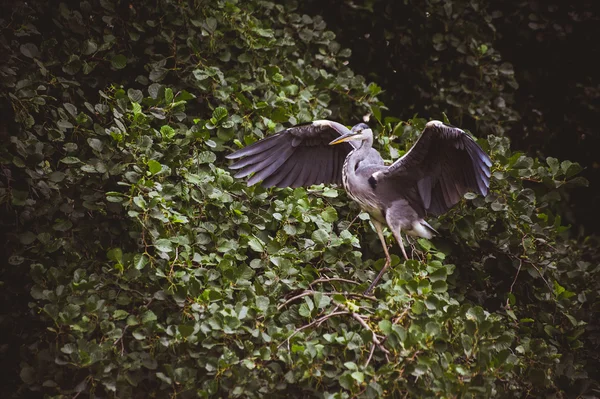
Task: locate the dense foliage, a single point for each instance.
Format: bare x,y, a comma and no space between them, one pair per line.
139,267
526,69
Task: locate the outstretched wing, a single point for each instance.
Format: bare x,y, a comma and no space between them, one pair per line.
294,157
445,163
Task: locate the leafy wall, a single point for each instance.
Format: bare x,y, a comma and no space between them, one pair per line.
139,267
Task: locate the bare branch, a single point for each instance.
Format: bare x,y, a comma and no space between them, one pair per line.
374,338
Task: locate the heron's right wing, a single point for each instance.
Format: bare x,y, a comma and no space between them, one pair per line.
294,157
444,164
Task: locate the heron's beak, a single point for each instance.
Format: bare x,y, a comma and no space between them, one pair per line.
344,138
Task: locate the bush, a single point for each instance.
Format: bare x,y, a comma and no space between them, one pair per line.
151,271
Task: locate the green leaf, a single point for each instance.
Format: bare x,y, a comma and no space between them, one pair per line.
71,109
320,236
321,301
90,47
95,144
118,61
70,160
554,164
256,245
167,132
207,157
418,307
120,314
164,245
358,376
154,166
439,274
439,286
219,113
140,261
211,24
115,254
168,95
385,326
425,244
262,303
350,365
185,330
62,225
330,192
29,50
135,95
149,316
329,214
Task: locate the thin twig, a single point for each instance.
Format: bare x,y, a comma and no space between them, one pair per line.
311,292
330,279
292,299
319,320
513,283
352,222
370,355
541,275
121,340
399,318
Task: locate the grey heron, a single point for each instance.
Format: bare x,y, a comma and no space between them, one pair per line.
430,178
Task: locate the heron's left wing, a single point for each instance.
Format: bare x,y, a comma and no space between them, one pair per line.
445,163
294,157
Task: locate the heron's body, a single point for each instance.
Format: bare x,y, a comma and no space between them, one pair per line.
365,162
430,178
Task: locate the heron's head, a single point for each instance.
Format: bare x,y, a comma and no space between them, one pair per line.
360,132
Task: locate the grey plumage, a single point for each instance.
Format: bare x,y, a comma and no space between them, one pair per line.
430,178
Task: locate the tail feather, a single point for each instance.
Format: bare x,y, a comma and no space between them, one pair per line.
424,223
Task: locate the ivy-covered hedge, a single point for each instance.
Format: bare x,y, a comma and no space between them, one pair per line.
139,267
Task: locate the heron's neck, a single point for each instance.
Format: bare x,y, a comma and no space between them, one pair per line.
366,144
360,153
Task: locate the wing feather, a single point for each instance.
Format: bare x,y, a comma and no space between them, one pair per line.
444,164
270,165
276,178
294,157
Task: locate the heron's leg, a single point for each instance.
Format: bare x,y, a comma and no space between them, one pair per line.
379,229
388,259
